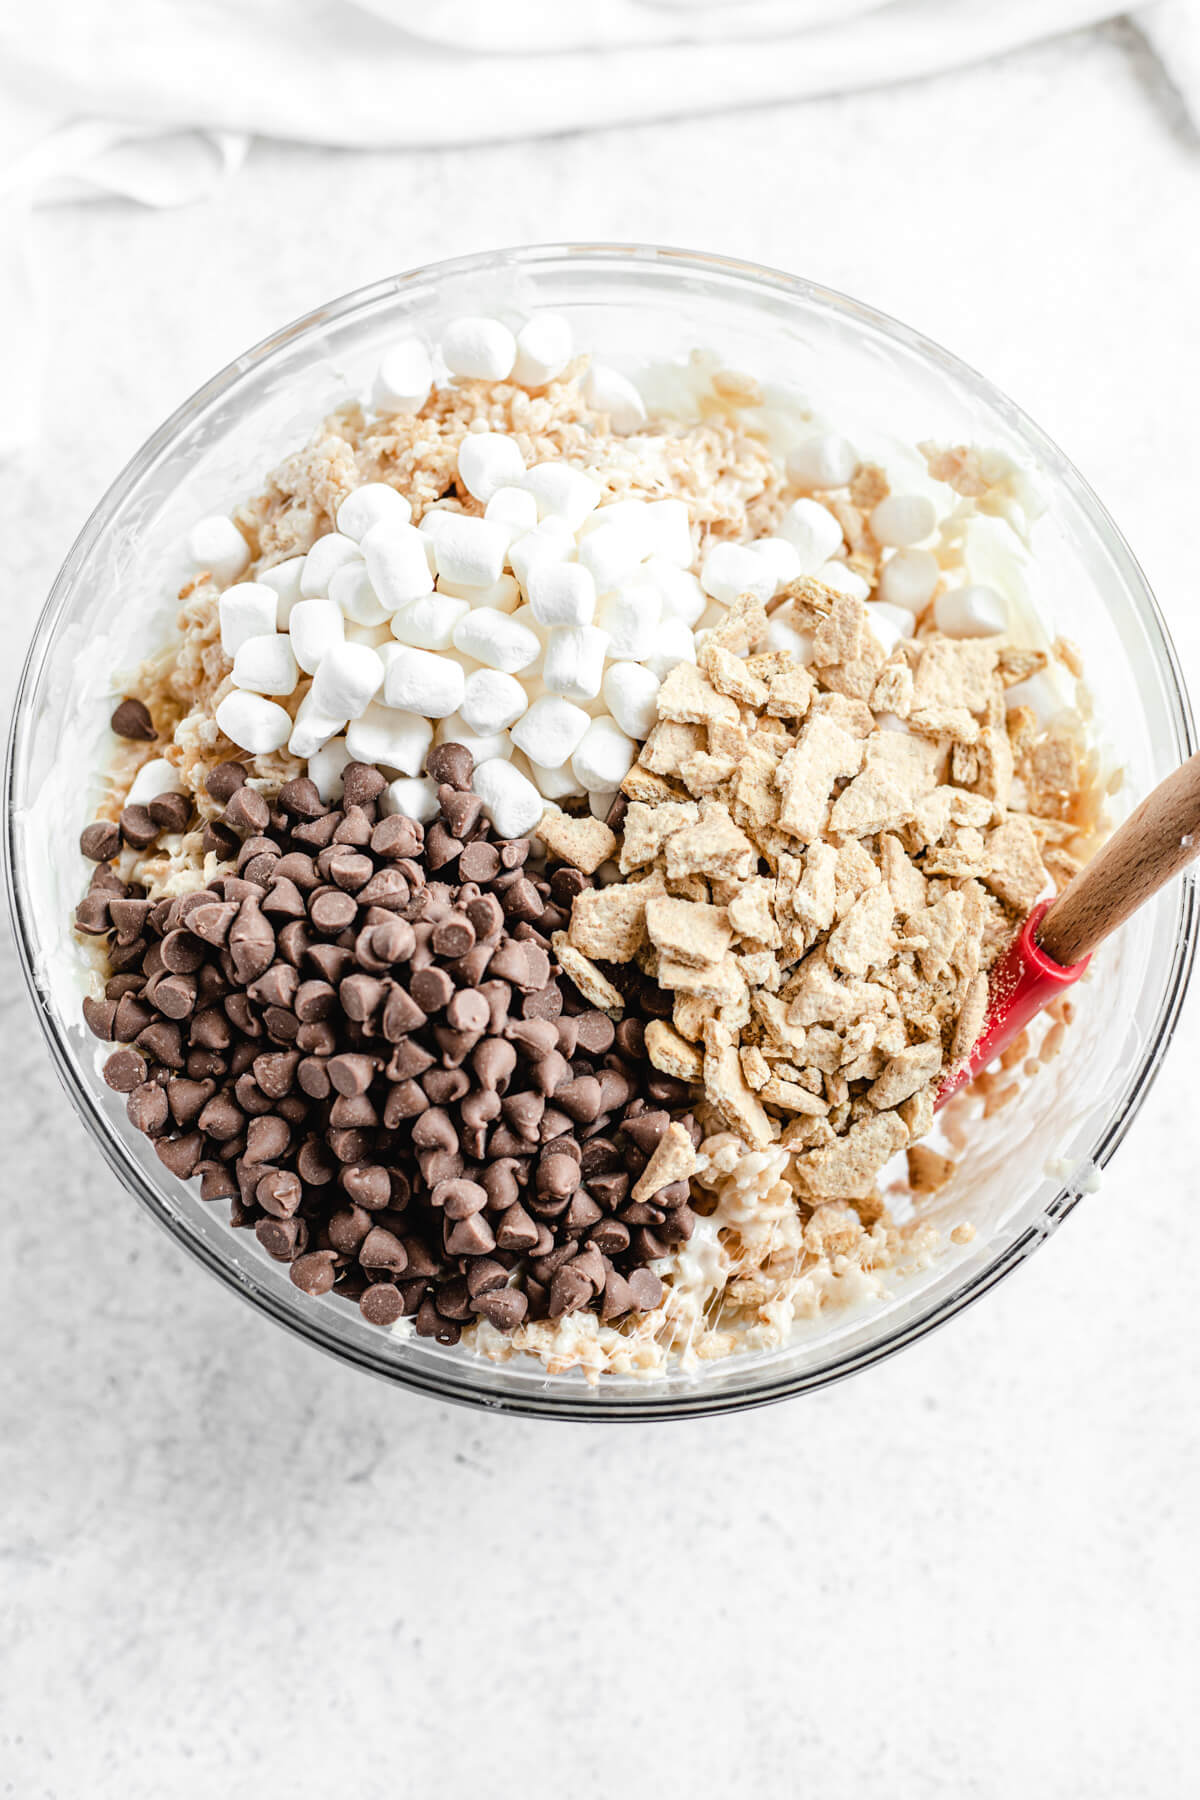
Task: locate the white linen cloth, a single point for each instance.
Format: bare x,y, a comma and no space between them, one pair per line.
379,72
157,100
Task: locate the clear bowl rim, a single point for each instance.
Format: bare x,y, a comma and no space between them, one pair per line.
590,1404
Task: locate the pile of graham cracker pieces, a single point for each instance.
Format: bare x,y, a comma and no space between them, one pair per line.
820,864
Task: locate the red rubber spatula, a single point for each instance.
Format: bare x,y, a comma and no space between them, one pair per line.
1054,945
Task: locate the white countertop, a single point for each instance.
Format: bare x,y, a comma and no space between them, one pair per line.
232,1567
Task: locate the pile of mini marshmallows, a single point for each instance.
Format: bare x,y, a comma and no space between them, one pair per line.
538,634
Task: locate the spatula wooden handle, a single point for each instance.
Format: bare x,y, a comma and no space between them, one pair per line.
1156,841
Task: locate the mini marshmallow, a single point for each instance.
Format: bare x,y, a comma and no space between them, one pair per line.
266,665
573,665
387,736
325,767
488,461
350,588
900,616
253,723
492,701
975,611
555,783
513,508
813,532
732,569
781,556
827,461
551,541
680,594
632,515
478,349
670,529
377,636
467,664
315,627
608,391
347,680
429,623
153,779
673,643
1039,694
471,552
837,576
544,347
630,615
600,805
524,616
495,745
404,378
328,554
496,640
421,681
397,563
284,577
370,505
889,624
510,800
435,517
411,798
784,634
503,595
604,757
551,731
562,594
217,545
909,579
312,728
631,694
612,550
562,492
902,519
248,609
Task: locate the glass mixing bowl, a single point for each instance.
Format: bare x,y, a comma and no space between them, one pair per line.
880,383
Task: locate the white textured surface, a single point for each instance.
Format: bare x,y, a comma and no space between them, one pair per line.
231,1567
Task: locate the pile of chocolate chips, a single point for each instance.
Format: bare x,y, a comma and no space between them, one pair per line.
363,1041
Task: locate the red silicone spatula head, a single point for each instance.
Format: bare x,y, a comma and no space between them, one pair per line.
1155,842
1021,984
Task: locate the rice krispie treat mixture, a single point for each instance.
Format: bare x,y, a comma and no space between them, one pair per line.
547,880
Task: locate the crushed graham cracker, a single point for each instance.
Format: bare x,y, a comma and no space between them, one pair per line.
584,843
831,861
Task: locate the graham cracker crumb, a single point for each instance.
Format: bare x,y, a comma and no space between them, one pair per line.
669,743
592,983
727,1090
688,697
646,829
584,843
692,932
672,1054
610,922
674,1159
730,676
824,753
850,1164
928,1170
714,845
